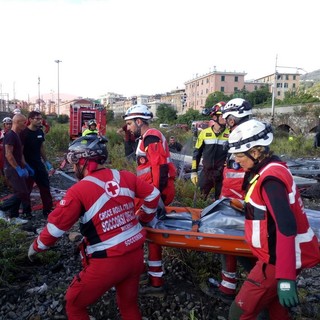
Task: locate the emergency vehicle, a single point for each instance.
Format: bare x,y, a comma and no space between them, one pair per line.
81,111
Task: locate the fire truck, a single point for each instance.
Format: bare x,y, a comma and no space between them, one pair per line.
84,110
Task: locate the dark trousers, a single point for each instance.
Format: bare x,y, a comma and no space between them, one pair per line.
20,194
42,181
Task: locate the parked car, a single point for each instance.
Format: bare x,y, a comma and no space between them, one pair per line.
163,125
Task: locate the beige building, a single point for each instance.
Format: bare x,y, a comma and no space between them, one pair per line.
198,89
283,82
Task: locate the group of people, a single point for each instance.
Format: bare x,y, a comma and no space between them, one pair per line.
237,163
24,163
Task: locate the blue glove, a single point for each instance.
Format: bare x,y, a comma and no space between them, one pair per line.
287,293
30,170
23,173
48,165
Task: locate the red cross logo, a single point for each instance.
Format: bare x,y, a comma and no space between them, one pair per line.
112,188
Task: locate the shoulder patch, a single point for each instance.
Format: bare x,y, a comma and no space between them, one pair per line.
208,134
65,202
226,135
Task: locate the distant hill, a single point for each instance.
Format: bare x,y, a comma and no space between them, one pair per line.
314,75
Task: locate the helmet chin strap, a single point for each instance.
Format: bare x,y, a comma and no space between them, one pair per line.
138,131
255,161
80,170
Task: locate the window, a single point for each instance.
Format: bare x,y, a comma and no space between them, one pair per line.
222,89
279,85
285,85
207,80
293,85
236,79
287,77
279,93
294,78
222,78
207,90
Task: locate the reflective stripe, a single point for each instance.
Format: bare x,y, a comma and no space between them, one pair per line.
256,243
236,193
235,175
140,172
116,240
228,285
54,231
156,274
215,141
41,245
301,238
157,263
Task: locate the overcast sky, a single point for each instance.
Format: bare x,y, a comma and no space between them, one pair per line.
134,47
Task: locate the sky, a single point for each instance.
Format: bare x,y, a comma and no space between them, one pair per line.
134,47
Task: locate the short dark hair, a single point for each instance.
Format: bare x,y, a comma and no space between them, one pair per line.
34,114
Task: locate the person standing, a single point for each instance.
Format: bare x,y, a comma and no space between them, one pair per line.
7,124
129,142
16,170
210,147
156,168
112,248
276,227
174,146
32,139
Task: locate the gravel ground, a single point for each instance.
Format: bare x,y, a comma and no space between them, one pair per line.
184,299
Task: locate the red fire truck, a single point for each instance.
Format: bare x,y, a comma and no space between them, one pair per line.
84,110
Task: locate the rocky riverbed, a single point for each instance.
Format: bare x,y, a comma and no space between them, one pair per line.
38,291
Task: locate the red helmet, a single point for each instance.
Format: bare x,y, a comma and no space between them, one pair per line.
217,108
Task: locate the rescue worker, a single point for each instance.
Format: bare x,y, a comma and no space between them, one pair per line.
129,142
210,147
112,247
92,128
156,168
235,112
276,227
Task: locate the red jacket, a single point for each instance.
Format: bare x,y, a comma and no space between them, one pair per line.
262,231
103,202
154,162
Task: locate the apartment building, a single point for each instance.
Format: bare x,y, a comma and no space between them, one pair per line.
198,89
282,82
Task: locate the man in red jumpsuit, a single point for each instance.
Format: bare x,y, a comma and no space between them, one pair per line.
276,227
112,249
156,168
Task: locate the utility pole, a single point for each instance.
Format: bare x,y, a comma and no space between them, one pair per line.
58,62
274,89
39,92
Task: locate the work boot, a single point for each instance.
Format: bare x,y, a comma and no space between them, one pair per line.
212,289
149,291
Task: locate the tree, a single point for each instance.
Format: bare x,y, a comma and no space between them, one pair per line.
191,115
216,97
166,114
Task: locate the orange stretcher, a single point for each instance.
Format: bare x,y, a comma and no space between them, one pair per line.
194,239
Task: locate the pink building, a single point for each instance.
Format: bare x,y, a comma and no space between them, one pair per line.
199,88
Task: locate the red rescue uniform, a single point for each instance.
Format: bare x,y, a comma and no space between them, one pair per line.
103,202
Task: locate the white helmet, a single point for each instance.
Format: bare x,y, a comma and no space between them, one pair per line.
248,135
138,111
7,120
237,107
16,111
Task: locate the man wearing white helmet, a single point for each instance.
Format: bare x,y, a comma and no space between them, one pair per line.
155,167
276,227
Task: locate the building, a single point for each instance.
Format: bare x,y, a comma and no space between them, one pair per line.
283,82
198,89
